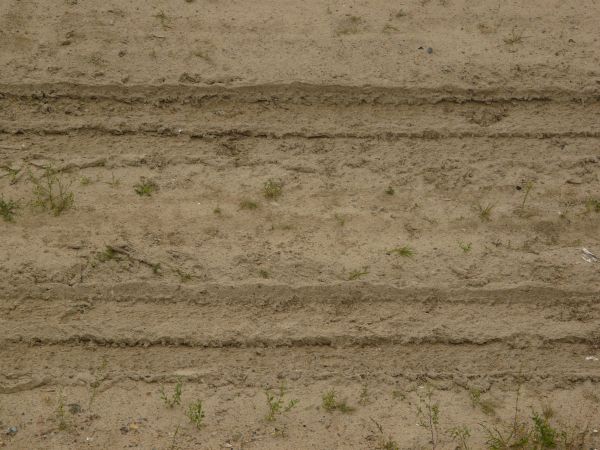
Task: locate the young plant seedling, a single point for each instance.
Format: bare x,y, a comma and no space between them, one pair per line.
248,204
390,190
51,192
195,413
356,274
528,188
404,251
276,403
8,209
428,415
385,444
331,403
592,205
62,419
170,402
466,248
272,189
145,187
99,376
485,212
460,434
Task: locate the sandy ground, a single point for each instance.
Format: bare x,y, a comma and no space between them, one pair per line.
384,201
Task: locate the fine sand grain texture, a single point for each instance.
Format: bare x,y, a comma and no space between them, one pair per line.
338,225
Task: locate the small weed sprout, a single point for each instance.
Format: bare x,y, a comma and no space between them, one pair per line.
62,419
263,273
331,403
364,395
516,436
276,403
248,204
218,211
114,182
85,181
428,415
349,25
341,220
183,276
163,18
272,189
460,435
390,190
8,209
99,377
195,413
145,187
592,205
170,402
528,188
385,444
466,248
544,434
485,212
404,251
51,192
108,254
13,174
356,274
515,37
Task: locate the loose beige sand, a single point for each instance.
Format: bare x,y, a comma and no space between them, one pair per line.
427,237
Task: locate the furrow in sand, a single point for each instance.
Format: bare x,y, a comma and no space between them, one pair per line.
293,93
311,316
560,364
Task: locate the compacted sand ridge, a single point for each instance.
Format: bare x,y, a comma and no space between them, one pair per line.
336,224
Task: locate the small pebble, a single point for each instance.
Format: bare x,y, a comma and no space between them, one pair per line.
429,50
12,431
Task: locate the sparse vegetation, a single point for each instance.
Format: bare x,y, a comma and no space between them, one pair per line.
114,182
460,435
183,276
145,187
13,174
485,212
466,248
385,443
163,18
248,204
99,377
404,251
272,189
263,273
217,211
62,419
8,209
528,188
175,399
428,415
331,403
51,192
544,434
356,274
592,205
340,219
108,254
349,25
195,413
276,403
516,435
515,37
390,190
85,181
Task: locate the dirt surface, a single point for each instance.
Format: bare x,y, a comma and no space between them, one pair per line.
386,201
